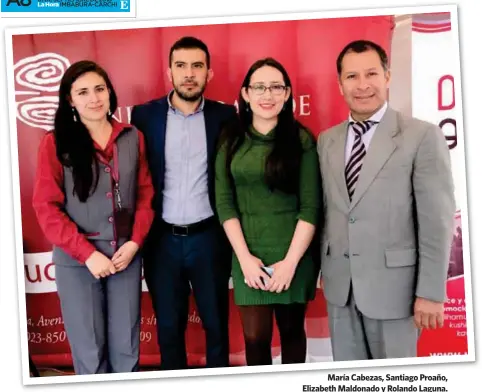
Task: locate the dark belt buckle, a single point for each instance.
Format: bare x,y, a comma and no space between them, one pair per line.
182,231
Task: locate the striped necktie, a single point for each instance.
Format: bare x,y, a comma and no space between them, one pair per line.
358,152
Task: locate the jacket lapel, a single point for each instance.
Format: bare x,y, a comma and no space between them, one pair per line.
381,148
160,136
336,156
210,126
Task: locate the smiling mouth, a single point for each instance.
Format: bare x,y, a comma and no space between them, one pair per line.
266,106
364,98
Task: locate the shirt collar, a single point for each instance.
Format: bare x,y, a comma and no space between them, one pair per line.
117,128
200,108
376,116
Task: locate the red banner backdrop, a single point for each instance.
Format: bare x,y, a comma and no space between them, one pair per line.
136,60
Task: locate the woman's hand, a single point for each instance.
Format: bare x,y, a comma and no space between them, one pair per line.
99,265
124,255
283,272
254,276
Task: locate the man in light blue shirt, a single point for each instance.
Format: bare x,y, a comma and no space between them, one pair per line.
185,194
186,248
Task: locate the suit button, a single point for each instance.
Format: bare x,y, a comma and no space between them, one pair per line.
352,220
347,256
107,169
111,219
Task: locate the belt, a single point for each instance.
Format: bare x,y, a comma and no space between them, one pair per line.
193,228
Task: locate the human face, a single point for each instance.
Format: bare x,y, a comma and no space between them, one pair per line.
189,74
363,83
267,104
90,97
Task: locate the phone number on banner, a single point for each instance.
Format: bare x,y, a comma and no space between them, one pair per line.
50,337
59,337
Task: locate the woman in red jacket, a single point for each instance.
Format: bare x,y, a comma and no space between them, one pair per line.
92,197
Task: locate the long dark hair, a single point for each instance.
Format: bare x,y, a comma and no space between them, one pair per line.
75,147
283,162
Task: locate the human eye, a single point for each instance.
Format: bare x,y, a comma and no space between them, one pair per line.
278,88
259,88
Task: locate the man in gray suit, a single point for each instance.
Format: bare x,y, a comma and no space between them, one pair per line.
389,209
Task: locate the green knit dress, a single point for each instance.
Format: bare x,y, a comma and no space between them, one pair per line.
268,219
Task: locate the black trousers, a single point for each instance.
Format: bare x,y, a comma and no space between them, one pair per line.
173,266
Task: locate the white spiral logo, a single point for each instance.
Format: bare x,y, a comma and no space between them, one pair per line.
40,74
38,112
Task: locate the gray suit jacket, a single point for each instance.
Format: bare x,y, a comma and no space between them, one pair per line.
393,240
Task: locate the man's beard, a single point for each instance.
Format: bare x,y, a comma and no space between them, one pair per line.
190,96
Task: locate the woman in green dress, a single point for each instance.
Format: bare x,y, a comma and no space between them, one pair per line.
268,201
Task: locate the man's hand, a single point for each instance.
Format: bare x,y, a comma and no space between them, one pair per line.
428,314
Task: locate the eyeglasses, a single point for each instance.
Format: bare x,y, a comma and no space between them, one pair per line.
260,89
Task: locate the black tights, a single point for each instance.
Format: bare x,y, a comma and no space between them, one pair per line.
257,324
